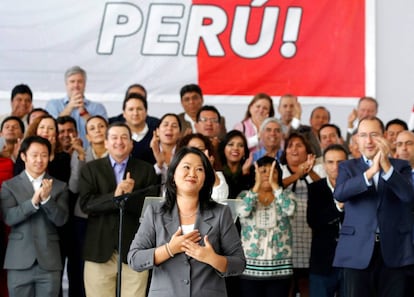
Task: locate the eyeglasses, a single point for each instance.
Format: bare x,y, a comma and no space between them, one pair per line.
211,120
371,135
406,143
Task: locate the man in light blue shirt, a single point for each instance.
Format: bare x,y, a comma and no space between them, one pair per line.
75,104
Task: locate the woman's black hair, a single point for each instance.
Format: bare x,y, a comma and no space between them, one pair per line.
170,115
204,195
266,160
229,136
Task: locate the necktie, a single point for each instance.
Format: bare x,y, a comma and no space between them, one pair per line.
119,172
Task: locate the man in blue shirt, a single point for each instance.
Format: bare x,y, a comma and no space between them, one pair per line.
75,104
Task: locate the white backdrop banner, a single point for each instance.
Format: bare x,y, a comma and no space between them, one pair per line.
315,49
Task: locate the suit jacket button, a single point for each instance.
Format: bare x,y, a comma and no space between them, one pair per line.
186,281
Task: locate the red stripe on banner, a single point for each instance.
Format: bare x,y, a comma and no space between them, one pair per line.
326,55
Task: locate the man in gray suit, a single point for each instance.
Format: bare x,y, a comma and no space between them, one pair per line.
33,205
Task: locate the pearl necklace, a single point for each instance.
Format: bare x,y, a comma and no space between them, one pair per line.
188,216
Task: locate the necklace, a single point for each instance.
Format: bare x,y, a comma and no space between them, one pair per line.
188,216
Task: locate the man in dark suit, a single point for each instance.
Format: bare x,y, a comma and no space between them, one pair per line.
324,216
100,181
375,242
33,205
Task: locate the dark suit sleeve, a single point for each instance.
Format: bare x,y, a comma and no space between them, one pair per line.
57,207
92,183
321,210
350,183
13,212
146,184
400,182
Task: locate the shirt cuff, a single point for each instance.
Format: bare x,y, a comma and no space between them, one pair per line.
386,176
45,201
252,141
295,123
367,181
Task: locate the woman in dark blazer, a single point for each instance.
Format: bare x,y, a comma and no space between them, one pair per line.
189,241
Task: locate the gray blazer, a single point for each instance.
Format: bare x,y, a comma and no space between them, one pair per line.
33,233
181,275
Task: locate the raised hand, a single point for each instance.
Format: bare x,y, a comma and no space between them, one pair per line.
125,186
45,189
273,177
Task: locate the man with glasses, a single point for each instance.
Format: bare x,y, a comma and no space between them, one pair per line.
192,100
375,243
208,124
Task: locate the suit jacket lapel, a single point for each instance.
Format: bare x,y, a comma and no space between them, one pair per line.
25,183
203,224
172,221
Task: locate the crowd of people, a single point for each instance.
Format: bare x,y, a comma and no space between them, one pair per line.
317,212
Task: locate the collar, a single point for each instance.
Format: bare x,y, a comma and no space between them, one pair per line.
329,185
190,120
113,162
32,179
366,160
140,135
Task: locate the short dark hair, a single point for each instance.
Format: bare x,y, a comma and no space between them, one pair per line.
21,89
377,119
35,110
66,119
335,147
208,108
170,114
338,130
136,86
266,160
34,139
13,118
118,124
135,96
205,200
191,88
185,140
396,122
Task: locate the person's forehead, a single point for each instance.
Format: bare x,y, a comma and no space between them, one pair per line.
404,136
272,125
395,127
117,131
11,122
327,130
287,100
319,112
37,147
335,155
21,95
66,126
369,125
367,104
192,94
208,113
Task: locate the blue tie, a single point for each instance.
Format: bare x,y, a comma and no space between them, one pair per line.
119,169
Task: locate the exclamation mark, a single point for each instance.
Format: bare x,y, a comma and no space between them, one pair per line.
290,35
